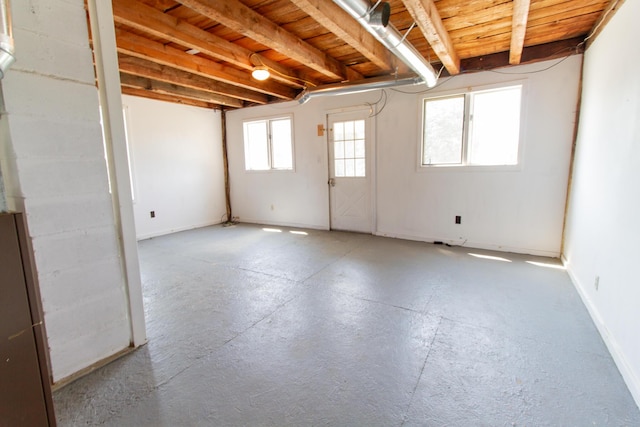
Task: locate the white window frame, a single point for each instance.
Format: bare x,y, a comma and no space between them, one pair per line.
269,120
464,165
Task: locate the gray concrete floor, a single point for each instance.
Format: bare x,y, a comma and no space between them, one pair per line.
250,327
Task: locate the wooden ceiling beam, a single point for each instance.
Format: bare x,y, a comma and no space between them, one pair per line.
531,54
152,21
603,20
150,50
242,19
175,90
425,14
518,30
336,20
152,70
167,98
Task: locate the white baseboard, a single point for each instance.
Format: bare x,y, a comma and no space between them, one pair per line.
175,230
472,245
283,224
629,376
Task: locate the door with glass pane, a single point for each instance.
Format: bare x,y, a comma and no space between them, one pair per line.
350,171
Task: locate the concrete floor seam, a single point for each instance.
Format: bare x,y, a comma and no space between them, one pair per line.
381,303
326,266
424,364
241,333
248,327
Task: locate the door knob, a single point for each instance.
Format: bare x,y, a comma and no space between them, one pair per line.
332,182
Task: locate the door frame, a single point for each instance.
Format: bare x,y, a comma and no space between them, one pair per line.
372,158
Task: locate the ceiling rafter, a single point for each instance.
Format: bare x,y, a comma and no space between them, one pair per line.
141,93
152,21
425,14
212,46
181,91
336,20
144,48
518,30
159,72
242,19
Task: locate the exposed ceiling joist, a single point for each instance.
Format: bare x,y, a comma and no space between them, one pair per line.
141,93
242,19
141,47
149,20
425,14
335,19
181,91
152,70
606,15
531,54
518,30
193,51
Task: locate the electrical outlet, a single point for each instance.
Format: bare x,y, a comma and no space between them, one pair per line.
597,282
458,219
152,214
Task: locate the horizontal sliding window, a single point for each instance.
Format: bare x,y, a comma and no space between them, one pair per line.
268,144
474,128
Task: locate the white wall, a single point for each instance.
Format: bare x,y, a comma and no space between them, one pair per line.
517,210
54,170
604,206
177,166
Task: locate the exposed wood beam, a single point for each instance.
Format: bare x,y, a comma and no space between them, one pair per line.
149,20
152,70
531,54
425,14
602,21
168,98
335,19
242,19
518,30
144,48
175,90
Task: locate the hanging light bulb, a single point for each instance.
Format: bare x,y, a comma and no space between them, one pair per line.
260,73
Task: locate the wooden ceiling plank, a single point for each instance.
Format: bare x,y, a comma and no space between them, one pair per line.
518,30
425,13
142,93
158,24
542,52
141,47
242,19
173,89
557,14
152,70
603,20
337,21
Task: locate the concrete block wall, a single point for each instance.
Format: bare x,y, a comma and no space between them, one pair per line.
54,170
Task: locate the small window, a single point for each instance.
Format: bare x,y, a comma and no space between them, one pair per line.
349,149
268,144
476,128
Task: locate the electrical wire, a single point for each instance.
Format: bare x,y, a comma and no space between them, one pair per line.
383,94
597,27
472,70
287,76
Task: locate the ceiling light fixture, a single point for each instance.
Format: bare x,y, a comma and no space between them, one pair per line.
260,73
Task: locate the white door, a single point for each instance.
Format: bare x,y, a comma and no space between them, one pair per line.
350,171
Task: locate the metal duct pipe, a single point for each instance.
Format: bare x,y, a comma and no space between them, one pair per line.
389,36
7,48
363,86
